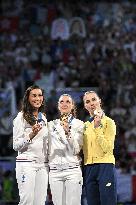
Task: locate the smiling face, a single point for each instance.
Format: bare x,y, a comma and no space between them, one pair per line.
65,104
35,98
91,102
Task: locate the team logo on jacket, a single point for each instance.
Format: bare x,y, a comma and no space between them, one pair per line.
23,178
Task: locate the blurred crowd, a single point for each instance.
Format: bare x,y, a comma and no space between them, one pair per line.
62,45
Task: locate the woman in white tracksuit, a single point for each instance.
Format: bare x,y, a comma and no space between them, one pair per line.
65,142
29,139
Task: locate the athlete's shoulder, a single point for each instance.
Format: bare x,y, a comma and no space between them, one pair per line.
77,124
19,116
53,123
78,121
109,120
86,123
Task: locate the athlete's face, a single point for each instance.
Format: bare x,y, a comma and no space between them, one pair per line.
91,102
65,104
36,98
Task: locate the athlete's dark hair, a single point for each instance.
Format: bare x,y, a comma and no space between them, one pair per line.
27,108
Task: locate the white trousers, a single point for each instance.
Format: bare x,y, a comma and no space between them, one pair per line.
32,179
66,186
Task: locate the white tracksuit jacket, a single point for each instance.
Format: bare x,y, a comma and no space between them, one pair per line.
63,152
30,150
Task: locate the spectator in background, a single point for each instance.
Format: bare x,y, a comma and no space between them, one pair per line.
1,181
29,139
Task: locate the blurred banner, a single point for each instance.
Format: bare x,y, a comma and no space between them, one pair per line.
9,23
77,26
60,29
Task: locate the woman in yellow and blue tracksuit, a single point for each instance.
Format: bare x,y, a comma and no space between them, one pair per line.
99,161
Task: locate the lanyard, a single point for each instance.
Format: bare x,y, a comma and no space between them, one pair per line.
40,117
91,119
70,120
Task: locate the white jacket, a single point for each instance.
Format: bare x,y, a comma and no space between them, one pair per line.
64,152
29,150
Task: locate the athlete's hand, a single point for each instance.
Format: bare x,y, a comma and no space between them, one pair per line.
97,121
35,129
97,117
65,125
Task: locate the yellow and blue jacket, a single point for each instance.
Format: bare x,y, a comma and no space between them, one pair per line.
98,143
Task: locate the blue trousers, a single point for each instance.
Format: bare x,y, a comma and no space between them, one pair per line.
100,184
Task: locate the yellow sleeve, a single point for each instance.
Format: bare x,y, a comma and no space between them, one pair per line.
106,138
